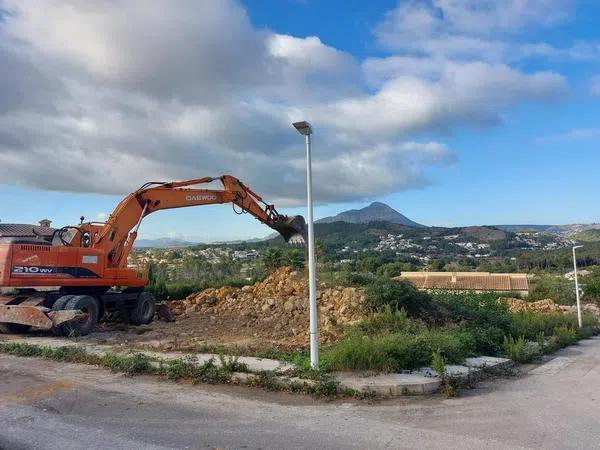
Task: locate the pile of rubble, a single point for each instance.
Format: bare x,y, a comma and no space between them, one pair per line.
542,306
278,307
549,306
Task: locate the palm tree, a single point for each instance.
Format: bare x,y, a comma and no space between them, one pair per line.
272,258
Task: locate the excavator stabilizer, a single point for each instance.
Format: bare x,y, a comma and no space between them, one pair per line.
292,229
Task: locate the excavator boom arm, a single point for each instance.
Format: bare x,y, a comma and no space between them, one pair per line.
118,234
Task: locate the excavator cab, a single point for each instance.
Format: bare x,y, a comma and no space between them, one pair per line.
292,229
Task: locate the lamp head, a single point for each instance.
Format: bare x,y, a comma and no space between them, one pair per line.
303,128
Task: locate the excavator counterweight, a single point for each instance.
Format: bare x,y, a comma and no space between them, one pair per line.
83,268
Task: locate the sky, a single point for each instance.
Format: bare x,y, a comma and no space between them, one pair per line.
454,112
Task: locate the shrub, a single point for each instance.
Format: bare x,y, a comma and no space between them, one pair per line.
357,279
488,340
482,315
564,335
520,350
529,324
385,292
474,310
389,320
555,287
591,284
397,351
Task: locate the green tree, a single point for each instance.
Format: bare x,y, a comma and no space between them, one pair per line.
293,258
272,258
367,264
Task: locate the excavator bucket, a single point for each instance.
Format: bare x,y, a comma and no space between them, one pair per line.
292,228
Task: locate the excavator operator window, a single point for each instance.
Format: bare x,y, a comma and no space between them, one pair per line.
68,236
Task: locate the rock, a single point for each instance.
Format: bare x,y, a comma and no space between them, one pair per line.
210,300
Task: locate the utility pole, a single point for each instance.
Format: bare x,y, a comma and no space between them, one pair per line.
579,318
305,129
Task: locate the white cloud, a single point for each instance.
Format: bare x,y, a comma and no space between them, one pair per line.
420,93
103,96
577,134
469,29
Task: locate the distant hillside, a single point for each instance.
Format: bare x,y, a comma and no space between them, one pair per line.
592,235
569,230
564,230
162,243
524,228
375,212
484,234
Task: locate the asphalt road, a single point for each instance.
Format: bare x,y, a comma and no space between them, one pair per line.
50,405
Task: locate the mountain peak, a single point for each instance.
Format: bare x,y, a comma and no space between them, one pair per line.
375,212
379,204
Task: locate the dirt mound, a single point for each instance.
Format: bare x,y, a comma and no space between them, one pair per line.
589,307
549,306
542,306
277,307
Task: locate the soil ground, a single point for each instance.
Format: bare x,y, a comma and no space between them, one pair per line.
197,332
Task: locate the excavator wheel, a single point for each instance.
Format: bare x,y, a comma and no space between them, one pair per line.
143,311
88,305
60,302
14,328
59,305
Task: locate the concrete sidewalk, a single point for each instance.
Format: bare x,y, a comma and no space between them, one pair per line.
423,381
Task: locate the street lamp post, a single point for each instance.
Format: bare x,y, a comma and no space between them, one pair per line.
579,318
305,129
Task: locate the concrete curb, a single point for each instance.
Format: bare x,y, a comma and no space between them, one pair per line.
420,382
254,364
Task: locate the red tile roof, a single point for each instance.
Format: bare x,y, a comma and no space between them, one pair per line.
476,281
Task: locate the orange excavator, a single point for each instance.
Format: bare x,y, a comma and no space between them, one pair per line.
65,279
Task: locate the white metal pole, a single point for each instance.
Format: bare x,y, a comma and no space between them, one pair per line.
579,318
312,276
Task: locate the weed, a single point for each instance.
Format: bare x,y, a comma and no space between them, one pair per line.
438,363
267,380
231,364
325,388
130,365
520,350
